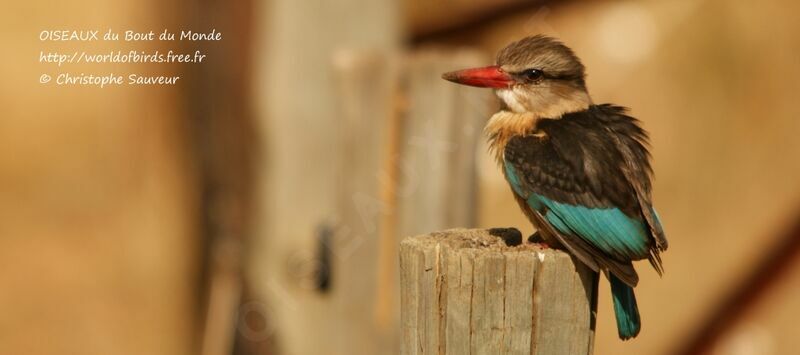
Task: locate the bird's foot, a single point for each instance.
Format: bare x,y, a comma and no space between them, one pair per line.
511,236
536,238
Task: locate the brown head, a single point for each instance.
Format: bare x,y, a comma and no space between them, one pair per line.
537,74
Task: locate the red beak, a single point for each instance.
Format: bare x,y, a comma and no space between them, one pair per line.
486,77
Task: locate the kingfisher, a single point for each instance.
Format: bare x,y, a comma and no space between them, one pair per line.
580,171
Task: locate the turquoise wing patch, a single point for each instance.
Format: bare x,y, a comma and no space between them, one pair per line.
513,179
608,229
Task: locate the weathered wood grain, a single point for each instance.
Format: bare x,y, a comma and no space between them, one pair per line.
464,291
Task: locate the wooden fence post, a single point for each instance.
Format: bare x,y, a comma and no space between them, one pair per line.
366,83
464,291
299,192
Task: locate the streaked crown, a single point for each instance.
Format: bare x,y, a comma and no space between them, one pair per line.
550,57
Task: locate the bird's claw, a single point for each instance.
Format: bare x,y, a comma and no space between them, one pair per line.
536,238
511,236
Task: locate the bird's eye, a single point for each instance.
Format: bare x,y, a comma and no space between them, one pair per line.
532,74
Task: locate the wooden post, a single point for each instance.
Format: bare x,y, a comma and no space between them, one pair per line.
464,291
366,82
299,200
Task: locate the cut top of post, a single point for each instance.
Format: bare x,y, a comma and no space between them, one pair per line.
464,291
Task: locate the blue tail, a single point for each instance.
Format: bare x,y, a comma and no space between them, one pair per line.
625,309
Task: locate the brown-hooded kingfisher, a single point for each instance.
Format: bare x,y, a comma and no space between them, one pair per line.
580,171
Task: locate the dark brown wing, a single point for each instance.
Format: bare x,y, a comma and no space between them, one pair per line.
588,183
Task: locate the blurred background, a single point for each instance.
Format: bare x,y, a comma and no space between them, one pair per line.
256,206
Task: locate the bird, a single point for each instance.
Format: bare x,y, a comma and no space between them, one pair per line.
579,171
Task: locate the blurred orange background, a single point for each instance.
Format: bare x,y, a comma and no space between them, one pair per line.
145,219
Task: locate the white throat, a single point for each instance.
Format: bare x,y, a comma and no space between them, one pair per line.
511,99
545,102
